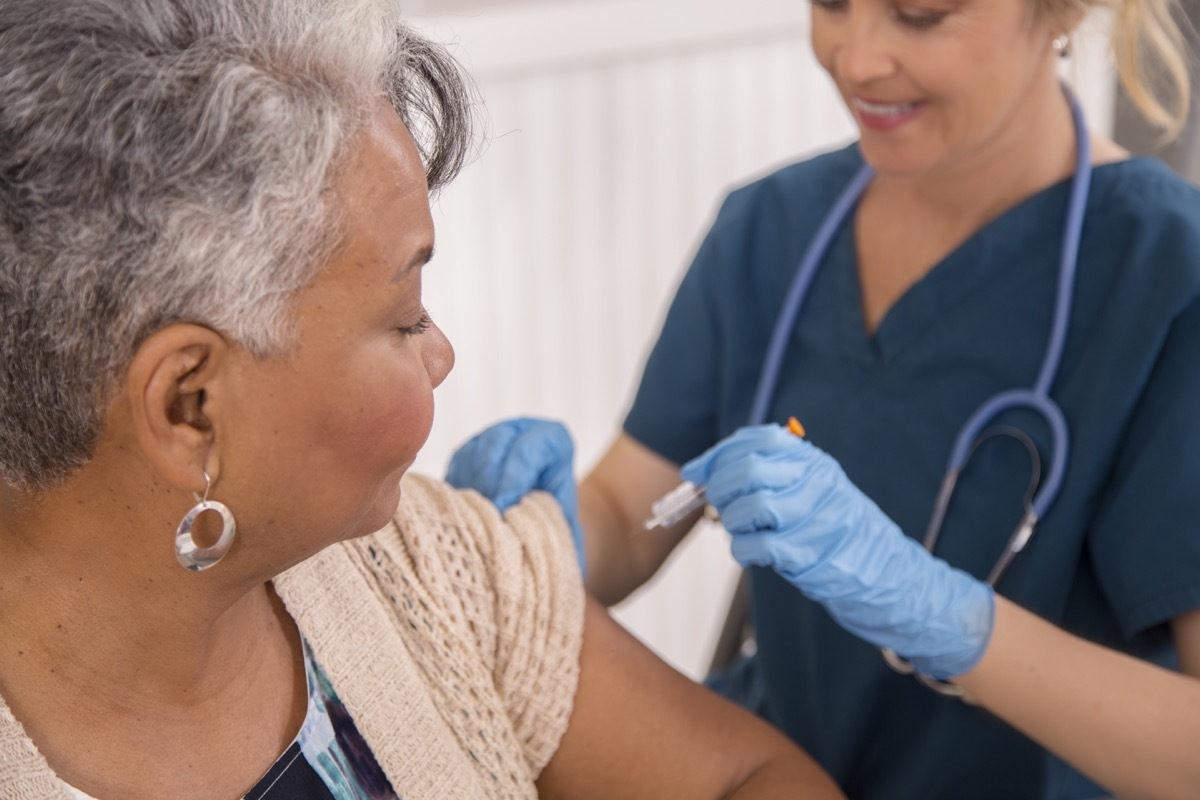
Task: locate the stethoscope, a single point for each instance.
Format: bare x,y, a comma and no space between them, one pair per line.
1041,494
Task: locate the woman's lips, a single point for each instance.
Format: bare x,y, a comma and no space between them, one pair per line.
882,116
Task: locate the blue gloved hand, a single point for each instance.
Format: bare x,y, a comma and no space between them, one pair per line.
512,458
790,507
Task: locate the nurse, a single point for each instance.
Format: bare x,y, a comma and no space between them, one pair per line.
936,292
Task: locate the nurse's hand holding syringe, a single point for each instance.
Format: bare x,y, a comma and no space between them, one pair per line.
790,507
687,496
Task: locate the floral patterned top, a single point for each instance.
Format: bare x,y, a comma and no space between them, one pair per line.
328,760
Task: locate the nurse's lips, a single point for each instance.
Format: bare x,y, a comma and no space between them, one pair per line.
883,116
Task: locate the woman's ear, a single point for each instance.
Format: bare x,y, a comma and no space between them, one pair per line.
1068,19
174,389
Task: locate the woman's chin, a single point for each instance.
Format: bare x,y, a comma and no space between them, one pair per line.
383,509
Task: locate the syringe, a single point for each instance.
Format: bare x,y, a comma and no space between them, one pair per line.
675,505
687,496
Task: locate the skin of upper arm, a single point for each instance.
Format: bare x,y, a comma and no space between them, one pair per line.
614,500
639,729
1186,631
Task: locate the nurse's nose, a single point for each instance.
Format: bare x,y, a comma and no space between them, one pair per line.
864,53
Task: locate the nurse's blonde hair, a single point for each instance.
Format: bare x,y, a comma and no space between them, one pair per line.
1150,53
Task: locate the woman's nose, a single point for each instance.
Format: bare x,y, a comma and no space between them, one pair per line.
438,354
864,54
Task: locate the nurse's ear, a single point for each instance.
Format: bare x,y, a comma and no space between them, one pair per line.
174,389
1061,20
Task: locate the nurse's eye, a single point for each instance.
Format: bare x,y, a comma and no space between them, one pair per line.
830,5
417,328
918,18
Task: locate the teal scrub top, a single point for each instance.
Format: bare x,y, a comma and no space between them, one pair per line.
1118,554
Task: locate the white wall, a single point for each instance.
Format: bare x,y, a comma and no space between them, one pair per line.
615,127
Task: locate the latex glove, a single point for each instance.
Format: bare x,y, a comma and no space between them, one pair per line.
514,457
790,507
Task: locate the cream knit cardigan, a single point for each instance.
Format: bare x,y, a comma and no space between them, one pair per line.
451,636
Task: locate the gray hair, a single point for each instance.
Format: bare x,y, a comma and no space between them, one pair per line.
170,160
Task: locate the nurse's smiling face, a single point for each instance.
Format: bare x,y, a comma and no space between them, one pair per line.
937,83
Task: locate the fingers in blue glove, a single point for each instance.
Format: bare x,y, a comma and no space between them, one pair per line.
743,442
541,456
511,458
763,475
514,457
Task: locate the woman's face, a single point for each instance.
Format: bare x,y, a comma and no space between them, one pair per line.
933,83
315,449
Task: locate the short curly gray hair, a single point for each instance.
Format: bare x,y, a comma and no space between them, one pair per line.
170,160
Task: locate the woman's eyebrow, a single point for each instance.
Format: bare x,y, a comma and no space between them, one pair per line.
422,257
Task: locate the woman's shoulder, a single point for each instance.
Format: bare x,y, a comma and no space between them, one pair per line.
834,167
1145,196
469,557
510,586
456,552
798,190
488,607
429,505
1141,242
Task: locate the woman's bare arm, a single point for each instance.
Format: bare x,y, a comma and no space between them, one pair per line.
639,729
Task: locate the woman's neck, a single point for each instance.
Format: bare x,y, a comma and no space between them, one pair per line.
191,689
89,585
196,679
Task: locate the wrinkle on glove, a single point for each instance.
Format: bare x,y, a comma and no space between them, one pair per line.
790,507
512,458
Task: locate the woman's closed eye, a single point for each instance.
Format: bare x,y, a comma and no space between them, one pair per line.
419,327
916,18
920,19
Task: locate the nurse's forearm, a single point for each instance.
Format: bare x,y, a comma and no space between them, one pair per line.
620,555
614,501
1131,726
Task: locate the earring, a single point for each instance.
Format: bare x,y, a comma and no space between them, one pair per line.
197,559
1062,45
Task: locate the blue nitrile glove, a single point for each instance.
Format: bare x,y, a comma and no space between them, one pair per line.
790,507
514,457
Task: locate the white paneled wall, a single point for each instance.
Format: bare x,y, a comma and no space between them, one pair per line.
614,128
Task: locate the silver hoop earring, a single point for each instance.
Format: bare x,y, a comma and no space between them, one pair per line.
198,559
1062,45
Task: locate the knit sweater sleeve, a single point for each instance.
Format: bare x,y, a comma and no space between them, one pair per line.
509,595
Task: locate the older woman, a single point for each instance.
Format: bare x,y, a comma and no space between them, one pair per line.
215,367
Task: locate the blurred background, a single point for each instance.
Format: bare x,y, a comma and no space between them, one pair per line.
613,130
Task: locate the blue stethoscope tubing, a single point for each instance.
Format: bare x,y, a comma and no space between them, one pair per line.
1036,398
